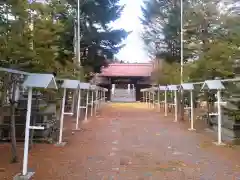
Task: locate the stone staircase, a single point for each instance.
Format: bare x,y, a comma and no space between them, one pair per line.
123,95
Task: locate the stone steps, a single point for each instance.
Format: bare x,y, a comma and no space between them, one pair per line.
123,95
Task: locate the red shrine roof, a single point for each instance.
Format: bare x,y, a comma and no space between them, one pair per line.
128,69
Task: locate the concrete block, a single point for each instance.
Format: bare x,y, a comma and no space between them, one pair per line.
60,144
28,176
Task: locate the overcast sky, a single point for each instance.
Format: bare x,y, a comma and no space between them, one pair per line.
133,51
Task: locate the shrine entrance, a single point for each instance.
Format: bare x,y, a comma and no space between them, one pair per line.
124,81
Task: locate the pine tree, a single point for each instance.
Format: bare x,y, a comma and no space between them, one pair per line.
161,21
98,41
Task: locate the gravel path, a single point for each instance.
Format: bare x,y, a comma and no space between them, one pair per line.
129,141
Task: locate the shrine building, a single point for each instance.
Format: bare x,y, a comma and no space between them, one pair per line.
124,80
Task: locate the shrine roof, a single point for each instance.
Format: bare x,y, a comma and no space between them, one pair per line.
127,70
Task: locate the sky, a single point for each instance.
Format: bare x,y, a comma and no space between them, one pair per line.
134,49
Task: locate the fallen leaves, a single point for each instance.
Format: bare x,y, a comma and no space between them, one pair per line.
177,153
205,144
129,105
115,142
116,170
112,154
124,161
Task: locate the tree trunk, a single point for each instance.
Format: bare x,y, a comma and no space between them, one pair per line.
3,98
13,128
181,105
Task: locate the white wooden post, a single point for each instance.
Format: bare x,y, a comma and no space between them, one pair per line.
165,103
151,104
73,102
219,117
149,97
86,111
176,106
192,111
146,96
113,88
104,96
143,98
78,108
158,98
26,142
46,81
62,116
92,94
153,101
17,93
100,104
96,101
100,99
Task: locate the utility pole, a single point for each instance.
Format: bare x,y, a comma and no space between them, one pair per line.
78,34
181,41
181,62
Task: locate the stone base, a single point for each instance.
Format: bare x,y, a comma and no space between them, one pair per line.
28,176
62,144
217,144
225,137
85,121
228,134
190,129
78,129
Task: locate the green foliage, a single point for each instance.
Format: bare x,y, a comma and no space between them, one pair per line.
211,37
40,37
98,41
161,22
167,73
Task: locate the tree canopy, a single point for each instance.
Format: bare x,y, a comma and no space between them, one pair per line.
161,22
41,35
210,37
